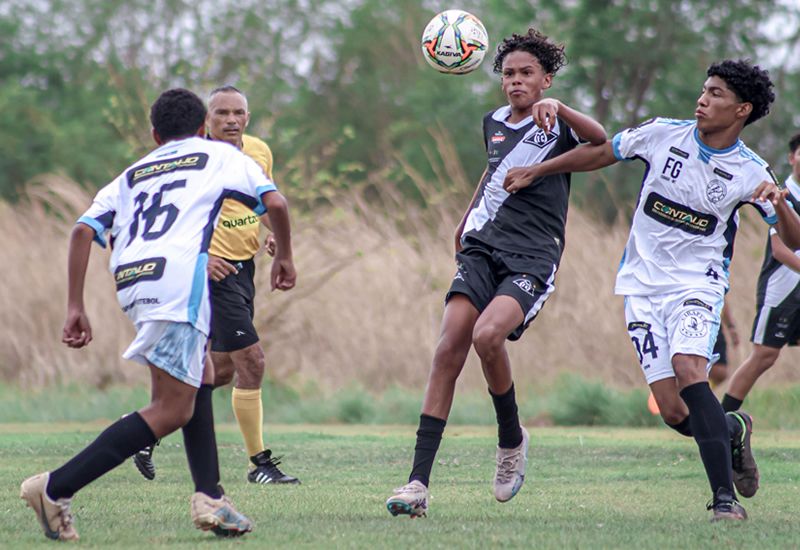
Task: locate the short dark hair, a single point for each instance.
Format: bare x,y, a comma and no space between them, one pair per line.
177,113
550,55
749,82
794,143
226,88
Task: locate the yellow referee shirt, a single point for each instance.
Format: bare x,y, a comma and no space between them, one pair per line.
236,234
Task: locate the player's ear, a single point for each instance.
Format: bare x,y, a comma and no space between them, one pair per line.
156,137
247,119
548,81
744,110
201,131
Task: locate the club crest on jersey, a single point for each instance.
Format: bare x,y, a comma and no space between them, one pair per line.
679,216
541,139
526,285
693,324
150,269
716,191
498,137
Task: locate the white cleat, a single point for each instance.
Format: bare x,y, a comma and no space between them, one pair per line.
510,473
409,500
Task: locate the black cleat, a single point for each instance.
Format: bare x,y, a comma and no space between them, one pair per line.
144,461
745,471
266,470
725,506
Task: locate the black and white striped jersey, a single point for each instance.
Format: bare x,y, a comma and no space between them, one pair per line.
778,284
530,222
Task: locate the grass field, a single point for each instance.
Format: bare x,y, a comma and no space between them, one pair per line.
586,488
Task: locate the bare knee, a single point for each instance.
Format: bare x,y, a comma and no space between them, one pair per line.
223,369
689,369
488,341
764,357
165,416
449,358
249,365
673,415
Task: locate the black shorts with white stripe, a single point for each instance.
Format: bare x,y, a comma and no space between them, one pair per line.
484,273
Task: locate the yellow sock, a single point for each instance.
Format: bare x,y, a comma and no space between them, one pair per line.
250,415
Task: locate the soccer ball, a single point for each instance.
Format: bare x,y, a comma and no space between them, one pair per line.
454,42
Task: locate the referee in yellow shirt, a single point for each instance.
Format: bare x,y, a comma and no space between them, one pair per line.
231,270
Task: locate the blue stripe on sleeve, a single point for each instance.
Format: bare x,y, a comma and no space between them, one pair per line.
260,190
99,230
615,144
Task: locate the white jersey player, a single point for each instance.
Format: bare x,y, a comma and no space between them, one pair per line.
159,215
674,272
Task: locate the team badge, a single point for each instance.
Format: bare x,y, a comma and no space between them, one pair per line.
540,138
525,285
498,137
693,324
716,191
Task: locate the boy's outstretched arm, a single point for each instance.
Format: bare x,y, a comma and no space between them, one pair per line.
77,330
581,159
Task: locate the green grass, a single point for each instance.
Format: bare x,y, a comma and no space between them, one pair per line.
586,488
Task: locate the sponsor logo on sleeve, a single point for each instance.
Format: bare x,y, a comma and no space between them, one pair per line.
150,269
138,174
498,137
673,214
636,325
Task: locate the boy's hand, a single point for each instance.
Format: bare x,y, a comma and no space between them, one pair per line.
544,113
269,245
768,191
519,178
77,330
283,274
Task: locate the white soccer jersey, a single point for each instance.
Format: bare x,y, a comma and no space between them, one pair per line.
160,214
686,218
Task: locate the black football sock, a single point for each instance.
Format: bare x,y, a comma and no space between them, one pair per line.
684,427
112,447
730,403
201,445
710,430
509,431
429,435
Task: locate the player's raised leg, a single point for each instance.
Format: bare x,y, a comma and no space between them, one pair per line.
498,320
451,352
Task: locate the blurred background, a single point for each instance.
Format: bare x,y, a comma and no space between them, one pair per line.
378,155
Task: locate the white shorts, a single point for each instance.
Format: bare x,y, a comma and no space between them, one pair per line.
178,349
663,325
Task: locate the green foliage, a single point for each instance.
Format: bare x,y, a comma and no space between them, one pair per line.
340,90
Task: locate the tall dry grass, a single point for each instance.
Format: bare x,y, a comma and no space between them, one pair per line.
366,309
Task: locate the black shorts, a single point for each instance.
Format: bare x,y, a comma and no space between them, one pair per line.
721,348
484,273
776,327
232,309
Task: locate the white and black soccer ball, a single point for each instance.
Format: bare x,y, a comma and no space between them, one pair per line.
454,42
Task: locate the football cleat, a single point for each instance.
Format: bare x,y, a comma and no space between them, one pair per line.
510,473
54,515
409,500
745,470
144,461
725,506
266,470
219,516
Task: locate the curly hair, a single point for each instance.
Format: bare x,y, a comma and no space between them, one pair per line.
177,113
550,55
749,82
